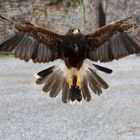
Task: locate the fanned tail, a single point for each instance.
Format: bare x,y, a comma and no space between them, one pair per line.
55,79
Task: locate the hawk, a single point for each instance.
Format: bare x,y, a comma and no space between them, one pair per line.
75,73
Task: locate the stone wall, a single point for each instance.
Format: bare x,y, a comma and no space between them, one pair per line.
68,13
59,17
119,9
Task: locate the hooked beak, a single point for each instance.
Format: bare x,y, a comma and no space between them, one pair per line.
75,31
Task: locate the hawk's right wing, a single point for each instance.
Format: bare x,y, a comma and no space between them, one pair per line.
114,41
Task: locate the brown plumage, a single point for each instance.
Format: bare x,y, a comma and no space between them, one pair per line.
27,41
115,40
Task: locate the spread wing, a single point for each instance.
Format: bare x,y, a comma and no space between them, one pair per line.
27,41
115,40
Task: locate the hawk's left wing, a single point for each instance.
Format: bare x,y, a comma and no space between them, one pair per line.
115,40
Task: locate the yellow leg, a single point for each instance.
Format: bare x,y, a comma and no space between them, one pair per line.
69,78
78,79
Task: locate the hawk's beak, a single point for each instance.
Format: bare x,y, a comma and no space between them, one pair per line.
75,31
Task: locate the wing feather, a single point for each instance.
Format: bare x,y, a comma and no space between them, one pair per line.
115,40
27,41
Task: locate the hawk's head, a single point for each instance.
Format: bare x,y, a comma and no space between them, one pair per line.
74,31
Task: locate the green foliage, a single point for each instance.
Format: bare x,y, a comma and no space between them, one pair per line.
52,2
69,3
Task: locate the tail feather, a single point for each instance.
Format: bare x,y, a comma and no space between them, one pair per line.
99,80
85,90
57,86
65,91
46,71
75,92
103,69
94,85
49,83
43,80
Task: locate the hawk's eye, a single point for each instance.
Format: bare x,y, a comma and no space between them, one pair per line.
72,30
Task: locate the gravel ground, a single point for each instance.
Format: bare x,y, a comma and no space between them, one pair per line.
26,113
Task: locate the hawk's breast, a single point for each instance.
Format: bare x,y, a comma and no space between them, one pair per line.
75,49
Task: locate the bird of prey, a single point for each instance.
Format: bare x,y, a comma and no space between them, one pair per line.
75,73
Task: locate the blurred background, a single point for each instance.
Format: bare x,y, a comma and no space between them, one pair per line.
26,113
60,15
